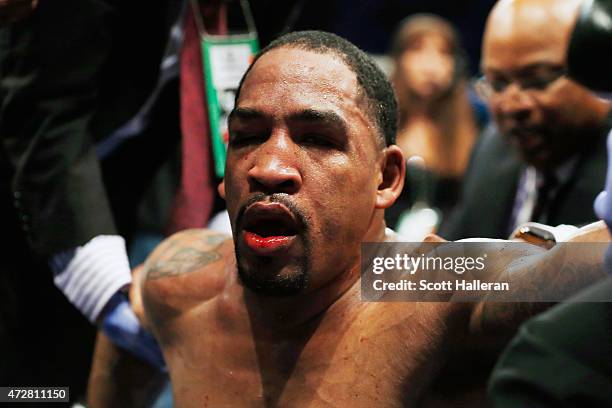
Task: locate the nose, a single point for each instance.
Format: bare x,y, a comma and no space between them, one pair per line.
436,62
514,103
274,169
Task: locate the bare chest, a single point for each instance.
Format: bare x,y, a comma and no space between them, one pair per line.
370,356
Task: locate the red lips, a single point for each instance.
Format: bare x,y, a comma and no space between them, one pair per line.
269,228
266,245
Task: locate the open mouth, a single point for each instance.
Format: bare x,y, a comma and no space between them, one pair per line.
269,228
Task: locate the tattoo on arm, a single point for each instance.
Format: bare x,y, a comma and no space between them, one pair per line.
181,256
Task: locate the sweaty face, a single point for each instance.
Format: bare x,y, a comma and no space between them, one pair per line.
302,171
540,110
427,65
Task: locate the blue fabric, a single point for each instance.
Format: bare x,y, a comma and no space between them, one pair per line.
165,399
59,262
121,325
603,205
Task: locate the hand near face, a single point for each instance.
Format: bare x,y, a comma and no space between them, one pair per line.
12,11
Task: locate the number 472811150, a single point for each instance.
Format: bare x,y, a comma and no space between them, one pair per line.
8,394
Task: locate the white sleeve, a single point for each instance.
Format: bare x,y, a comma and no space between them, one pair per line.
91,274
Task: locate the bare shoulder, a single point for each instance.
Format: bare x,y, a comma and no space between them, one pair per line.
185,270
185,252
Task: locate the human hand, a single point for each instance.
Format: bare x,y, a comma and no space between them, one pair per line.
431,238
12,11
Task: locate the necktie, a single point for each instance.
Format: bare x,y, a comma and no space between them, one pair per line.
524,200
545,193
194,201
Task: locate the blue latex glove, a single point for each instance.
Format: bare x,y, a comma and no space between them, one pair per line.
121,325
603,204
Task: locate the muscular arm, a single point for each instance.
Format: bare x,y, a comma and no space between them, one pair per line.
492,324
118,379
175,277
184,252
184,271
558,272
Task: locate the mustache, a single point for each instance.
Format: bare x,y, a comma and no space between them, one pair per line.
281,198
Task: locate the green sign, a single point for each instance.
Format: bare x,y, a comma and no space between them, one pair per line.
225,60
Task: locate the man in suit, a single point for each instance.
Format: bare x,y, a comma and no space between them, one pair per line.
545,158
561,357
72,74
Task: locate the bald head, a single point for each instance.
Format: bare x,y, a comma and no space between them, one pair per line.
539,27
535,105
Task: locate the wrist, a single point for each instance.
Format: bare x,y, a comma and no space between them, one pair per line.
90,275
543,235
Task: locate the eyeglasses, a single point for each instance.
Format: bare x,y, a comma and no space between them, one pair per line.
487,88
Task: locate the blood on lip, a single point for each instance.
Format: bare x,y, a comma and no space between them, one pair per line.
269,228
256,241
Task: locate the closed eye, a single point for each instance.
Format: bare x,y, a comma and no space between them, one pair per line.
535,83
499,85
241,138
318,140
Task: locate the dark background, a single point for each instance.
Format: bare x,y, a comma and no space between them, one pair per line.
370,24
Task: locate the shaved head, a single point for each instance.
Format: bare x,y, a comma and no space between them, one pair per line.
541,27
535,105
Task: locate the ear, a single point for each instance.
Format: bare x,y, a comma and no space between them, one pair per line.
393,173
221,189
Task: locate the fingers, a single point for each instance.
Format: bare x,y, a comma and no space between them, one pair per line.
431,238
429,243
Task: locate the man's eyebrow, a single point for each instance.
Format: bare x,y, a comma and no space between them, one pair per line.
325,117
539,67
525,70
245,114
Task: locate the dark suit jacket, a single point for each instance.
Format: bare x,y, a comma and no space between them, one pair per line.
72,73
492,180
561,358
69,75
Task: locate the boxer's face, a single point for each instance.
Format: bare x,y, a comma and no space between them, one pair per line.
303,168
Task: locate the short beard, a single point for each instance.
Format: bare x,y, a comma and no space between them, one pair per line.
275,285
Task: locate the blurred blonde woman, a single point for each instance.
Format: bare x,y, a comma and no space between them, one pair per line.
437,126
